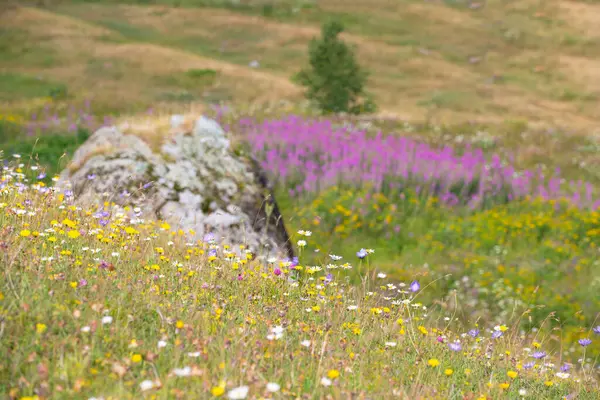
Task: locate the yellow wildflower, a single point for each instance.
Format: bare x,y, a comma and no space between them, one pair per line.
434,362
333,373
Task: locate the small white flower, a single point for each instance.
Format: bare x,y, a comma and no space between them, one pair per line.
563,375
276,333
238,393
305,343
273,387
381,275
115,254
325,381
522,392
107,319
301,243
352,307
146,385
181,372
85,329
390,344
161,344
195,354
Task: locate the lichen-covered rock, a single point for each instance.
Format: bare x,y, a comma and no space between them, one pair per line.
194,182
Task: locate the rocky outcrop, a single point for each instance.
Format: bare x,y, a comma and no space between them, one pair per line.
194,181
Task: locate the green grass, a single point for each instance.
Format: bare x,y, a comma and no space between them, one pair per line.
17,49
15,87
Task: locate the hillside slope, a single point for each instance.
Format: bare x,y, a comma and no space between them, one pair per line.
449,61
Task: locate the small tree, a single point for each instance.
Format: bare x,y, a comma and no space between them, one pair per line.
334,80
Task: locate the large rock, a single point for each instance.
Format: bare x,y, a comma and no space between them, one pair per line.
195,181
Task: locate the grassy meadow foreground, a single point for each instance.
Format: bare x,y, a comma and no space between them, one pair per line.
98,304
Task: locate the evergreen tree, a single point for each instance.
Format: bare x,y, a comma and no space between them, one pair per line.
334,80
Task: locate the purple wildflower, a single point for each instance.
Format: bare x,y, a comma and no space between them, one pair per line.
473,333
497,334
585,342
83,282
539,354
362,253
277,271
42,175
91,177
455,346
102,214
209,237
529,365
597,330
103,222
565,367
415,286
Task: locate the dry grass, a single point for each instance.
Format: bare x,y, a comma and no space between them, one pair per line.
404,76
583,17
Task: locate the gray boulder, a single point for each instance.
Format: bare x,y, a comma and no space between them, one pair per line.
194,181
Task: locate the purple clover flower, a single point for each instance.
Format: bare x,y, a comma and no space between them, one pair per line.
277,271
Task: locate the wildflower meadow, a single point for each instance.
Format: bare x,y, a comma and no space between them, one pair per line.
422,272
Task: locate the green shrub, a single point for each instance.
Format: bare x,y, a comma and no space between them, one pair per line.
334,79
